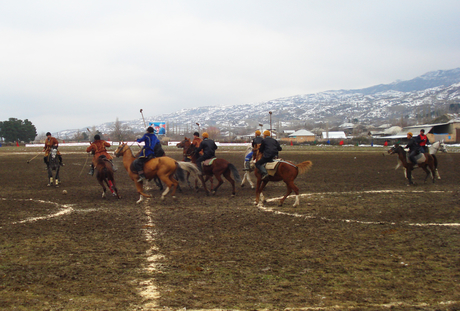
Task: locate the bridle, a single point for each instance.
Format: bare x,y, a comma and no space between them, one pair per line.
121,150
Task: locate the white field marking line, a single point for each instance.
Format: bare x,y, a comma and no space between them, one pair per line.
67,209
359,221
149,290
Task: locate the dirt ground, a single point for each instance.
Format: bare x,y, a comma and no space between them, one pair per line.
361,239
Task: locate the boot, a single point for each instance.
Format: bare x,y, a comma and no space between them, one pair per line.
263,172
141,177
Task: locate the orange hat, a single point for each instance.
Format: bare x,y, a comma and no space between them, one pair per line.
258,133
266,133
205,135
410,134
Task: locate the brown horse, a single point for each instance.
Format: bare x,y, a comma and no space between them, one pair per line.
285,171
162,167
425,161
217,168
105,176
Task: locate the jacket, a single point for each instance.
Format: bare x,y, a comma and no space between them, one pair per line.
209,148
196,142
423,140
150,140
50,142
256,141
98,147
270,147
414,145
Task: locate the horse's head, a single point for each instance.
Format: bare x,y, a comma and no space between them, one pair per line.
184,144
442,146
395,149
121,149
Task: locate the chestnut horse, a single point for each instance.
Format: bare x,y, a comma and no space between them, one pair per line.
217,168
425,161
105,176
162,167
285,171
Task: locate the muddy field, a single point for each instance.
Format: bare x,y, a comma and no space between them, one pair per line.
360,240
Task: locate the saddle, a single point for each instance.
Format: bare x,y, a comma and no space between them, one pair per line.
420,158
208,162
271,167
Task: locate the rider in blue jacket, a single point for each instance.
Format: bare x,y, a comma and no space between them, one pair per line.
147,152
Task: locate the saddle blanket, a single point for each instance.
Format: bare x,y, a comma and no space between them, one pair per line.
208,161
420,158
271,167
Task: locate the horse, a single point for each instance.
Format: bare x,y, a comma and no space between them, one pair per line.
247,173
162,167
286,171
189,159
433,149
424,160
104,174
216,167
53,165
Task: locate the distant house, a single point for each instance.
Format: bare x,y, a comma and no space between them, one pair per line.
333,135
301,136
449,131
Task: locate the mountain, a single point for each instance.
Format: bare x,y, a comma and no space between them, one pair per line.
424,97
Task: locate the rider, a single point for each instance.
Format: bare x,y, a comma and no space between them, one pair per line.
209,147
247,159
197,141
98,149
423,141
51,142
269,148
414,147
146,153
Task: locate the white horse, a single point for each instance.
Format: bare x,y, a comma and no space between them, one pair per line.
247,174
433,149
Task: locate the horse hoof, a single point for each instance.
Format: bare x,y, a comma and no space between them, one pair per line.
162,198
48,185
174,197
242,185
213,192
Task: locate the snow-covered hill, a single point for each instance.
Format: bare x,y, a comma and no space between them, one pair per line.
431,94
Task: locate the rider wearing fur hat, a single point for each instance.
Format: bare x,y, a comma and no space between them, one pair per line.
414,147
269,148
209,147
147,152
98,148
51,142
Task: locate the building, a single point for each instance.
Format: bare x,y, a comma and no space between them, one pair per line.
301,136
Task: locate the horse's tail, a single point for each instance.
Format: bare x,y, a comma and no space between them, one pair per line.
190,167
180,172
235,172
304,166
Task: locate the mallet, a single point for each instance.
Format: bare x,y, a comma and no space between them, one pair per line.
33,158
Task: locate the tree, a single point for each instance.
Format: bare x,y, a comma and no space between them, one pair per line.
213,132
15,129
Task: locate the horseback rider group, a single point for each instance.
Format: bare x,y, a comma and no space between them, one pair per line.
269,148
417,145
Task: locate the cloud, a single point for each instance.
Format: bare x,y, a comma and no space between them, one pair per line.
83,63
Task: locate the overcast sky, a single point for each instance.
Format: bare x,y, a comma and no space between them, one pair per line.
75,64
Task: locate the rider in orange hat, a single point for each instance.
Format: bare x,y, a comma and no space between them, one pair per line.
269,148
209,148
255,144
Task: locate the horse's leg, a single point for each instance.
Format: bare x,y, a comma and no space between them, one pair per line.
56,179
50,176
228,176
258,187
250,180
409,175
220,182
261,193
101,182
140,190
291,187
244,178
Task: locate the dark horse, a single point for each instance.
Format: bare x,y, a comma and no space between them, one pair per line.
285,171
105,176
217,168
424,160
53,165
